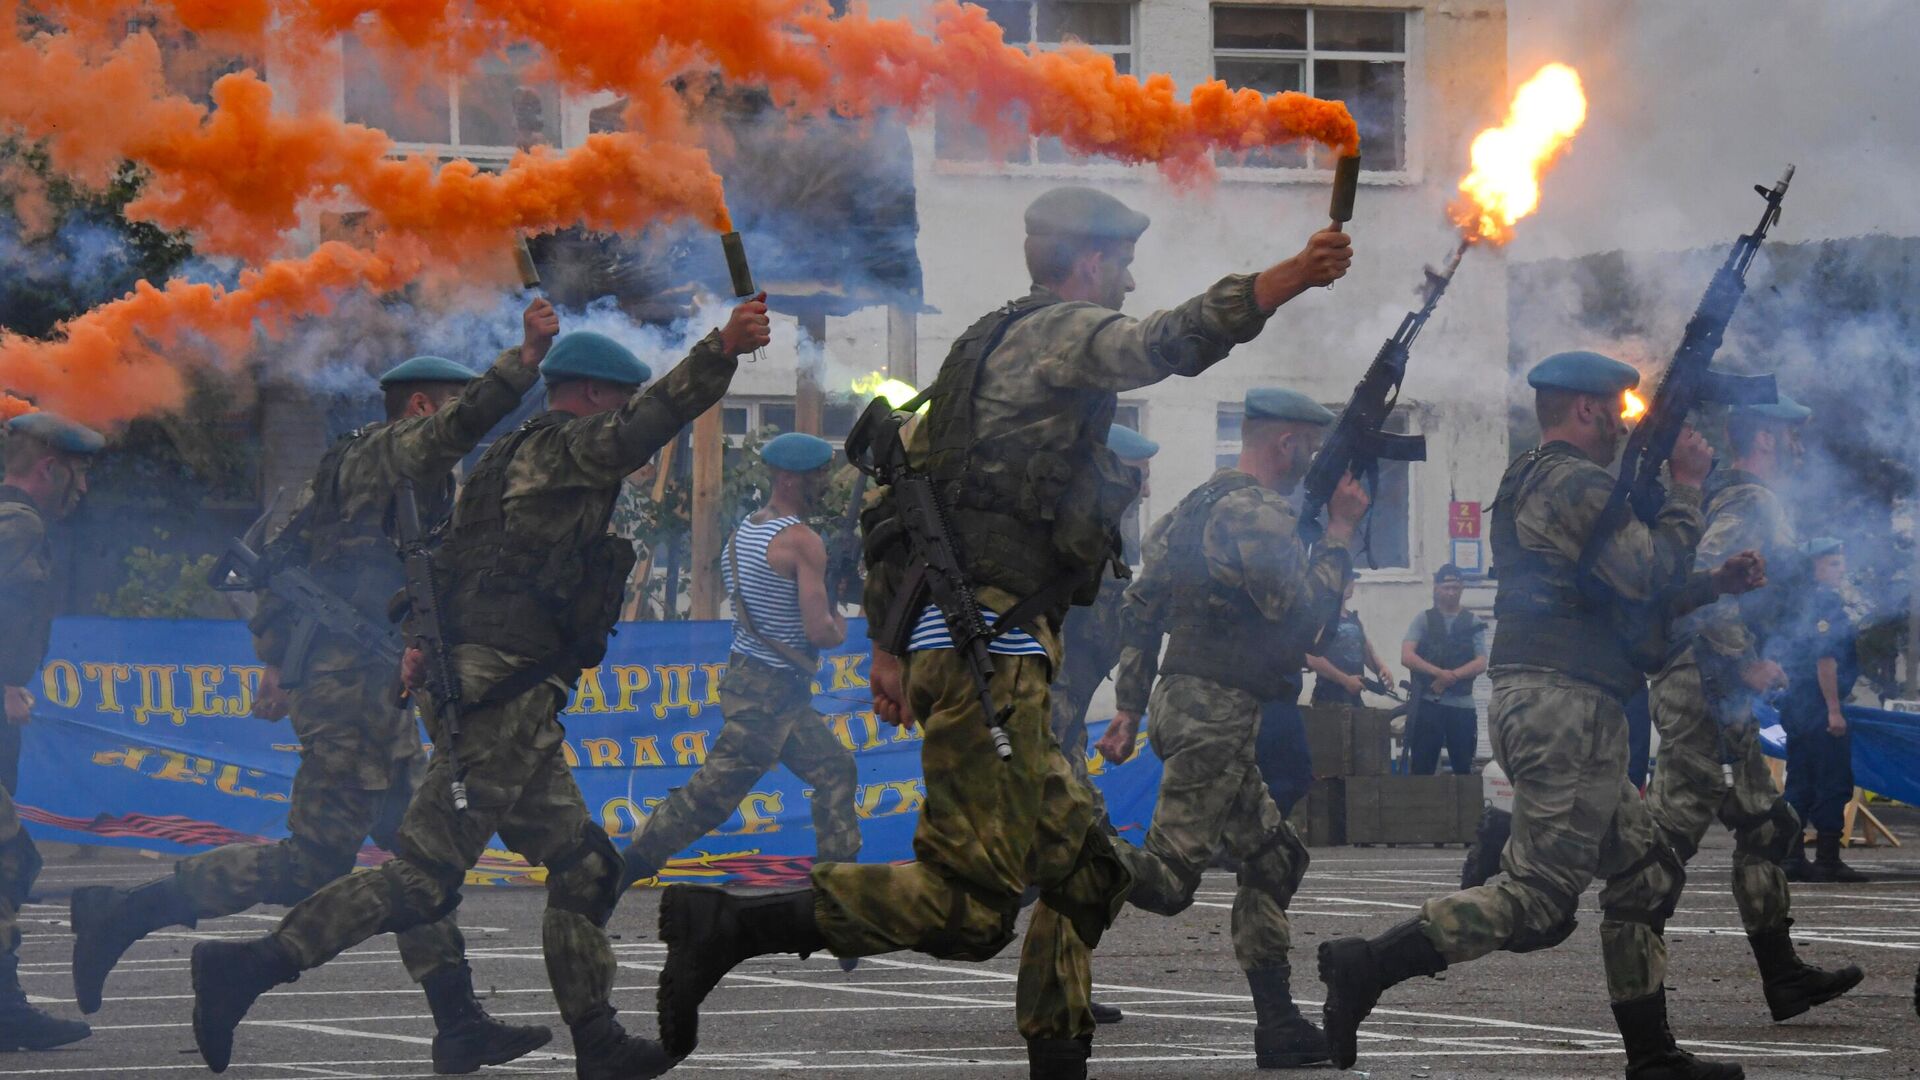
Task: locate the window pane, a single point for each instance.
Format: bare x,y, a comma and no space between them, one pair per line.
1127,416
1359,31
496,109
836,419
411,106
1268,77
1094,23
733,420
1227,428
778,417
1376,95
1015,18
1259,28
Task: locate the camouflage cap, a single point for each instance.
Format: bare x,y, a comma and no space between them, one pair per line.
1825,545
584,354
1583,373
796,452
58,432
1276,403
426,369
1784,410
1129,445
1084,212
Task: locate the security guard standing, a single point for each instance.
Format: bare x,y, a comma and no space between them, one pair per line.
1240,600
1711,765
1563,663
1014,442
1821,667
360,753
534,582
46,459
775,569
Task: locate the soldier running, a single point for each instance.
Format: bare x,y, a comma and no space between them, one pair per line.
533,584
775,571
1241,599
1703,699
1014,442
1563,665
360,752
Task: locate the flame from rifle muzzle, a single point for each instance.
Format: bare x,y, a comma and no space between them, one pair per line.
879,384
1633,406
1508,161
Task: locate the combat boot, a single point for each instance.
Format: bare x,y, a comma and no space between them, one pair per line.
1651,1051
709,932
1059,1059
1792,986
1106,1014
1795,864
1282,1038
602,1050
1357,970
228,976
23,1027
465,1037
1827,866
106,923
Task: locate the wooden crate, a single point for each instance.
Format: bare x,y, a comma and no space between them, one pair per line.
1441,809
1347,740
1321,817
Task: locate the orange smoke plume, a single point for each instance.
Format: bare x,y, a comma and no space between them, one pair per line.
1509,160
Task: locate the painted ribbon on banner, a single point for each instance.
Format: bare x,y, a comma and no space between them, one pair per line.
141,738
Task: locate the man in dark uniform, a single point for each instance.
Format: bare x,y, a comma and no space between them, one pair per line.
46,460
1445,650
1821,665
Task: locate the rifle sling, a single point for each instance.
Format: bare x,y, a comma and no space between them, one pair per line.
793,656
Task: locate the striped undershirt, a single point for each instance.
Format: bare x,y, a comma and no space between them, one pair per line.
773,600
931,633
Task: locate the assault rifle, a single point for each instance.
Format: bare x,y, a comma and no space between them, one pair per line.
843,549
1688,382
423,603
243,568
875,447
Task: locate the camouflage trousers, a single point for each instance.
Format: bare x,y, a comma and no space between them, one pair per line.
345,721
770,720
1212,796
19,867
1563,744
988,828
1691,788
1069,722
519,786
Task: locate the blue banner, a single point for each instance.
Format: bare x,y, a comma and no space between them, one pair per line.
1886,749
141,738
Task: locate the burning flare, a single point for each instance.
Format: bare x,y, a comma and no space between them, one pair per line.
1633,406
1508,161
879,384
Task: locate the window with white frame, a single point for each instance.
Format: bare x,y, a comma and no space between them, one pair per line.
768,416
1387,530
1105,26
486,114
1354,55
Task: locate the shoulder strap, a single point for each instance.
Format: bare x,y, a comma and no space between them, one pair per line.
745,614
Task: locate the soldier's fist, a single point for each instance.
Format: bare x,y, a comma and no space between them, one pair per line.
1346,507
1762,676
541,324
1743,572
1692,459
1117,744
748,329
271,702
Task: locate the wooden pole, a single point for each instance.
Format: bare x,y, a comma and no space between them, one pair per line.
903,344
638,606
709,445
809,398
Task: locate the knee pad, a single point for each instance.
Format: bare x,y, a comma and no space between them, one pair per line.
585,879
1771,837
1283,878
23,864
415,898
1668,901
1526,939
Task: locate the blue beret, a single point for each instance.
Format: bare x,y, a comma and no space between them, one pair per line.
796,452
1583,373
1086,213
1825,545
58,432
584,354
426,369
1129,445
1274,403
1785,410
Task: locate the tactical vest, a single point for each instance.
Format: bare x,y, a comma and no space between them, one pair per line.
554,602
30,600
1026,520
1215,632
1542,619
1789,571
1447,648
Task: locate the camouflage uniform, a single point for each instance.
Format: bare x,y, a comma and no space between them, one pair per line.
1212,794
1091,639
559,485
27,592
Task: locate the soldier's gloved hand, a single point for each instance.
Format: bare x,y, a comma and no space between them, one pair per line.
271,703
1117,744
889,693
1692,459
748,329
19,706
1762,676
1743,572
541,324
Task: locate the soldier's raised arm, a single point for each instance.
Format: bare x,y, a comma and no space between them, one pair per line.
425,451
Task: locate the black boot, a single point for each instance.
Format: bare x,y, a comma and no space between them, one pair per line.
1827,865
227,978
1106,1014
1791,985
1059,1059
708,933
1795,864
106,923
23,1027
1357,970
1282,1038
602,1050
1651,1051
465,1037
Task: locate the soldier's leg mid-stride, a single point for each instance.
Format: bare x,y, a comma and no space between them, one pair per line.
22,1027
